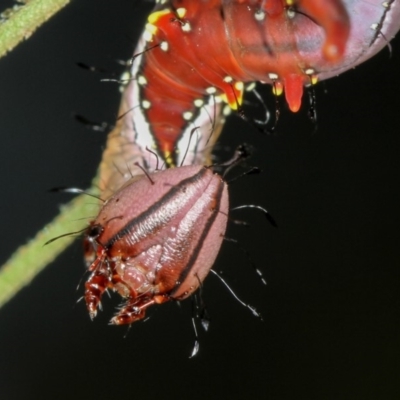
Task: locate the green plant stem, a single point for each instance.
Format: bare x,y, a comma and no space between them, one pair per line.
23,22
33,257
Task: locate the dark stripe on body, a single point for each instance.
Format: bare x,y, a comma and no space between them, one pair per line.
185,272
164,199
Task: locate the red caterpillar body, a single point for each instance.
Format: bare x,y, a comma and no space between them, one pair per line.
157,236
202,48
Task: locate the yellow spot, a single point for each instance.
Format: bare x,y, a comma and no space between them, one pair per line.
277,88
234,95
237,99
314,79
169,159
156,15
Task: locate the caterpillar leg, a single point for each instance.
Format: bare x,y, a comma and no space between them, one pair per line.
96,285
134,310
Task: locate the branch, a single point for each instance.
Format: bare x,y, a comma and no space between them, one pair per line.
23,21
33,257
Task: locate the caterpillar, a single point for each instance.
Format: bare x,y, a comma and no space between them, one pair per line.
158,233
195,55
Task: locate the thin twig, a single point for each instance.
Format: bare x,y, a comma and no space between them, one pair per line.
33,257
24,21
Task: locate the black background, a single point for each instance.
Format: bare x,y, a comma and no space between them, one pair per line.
331,306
